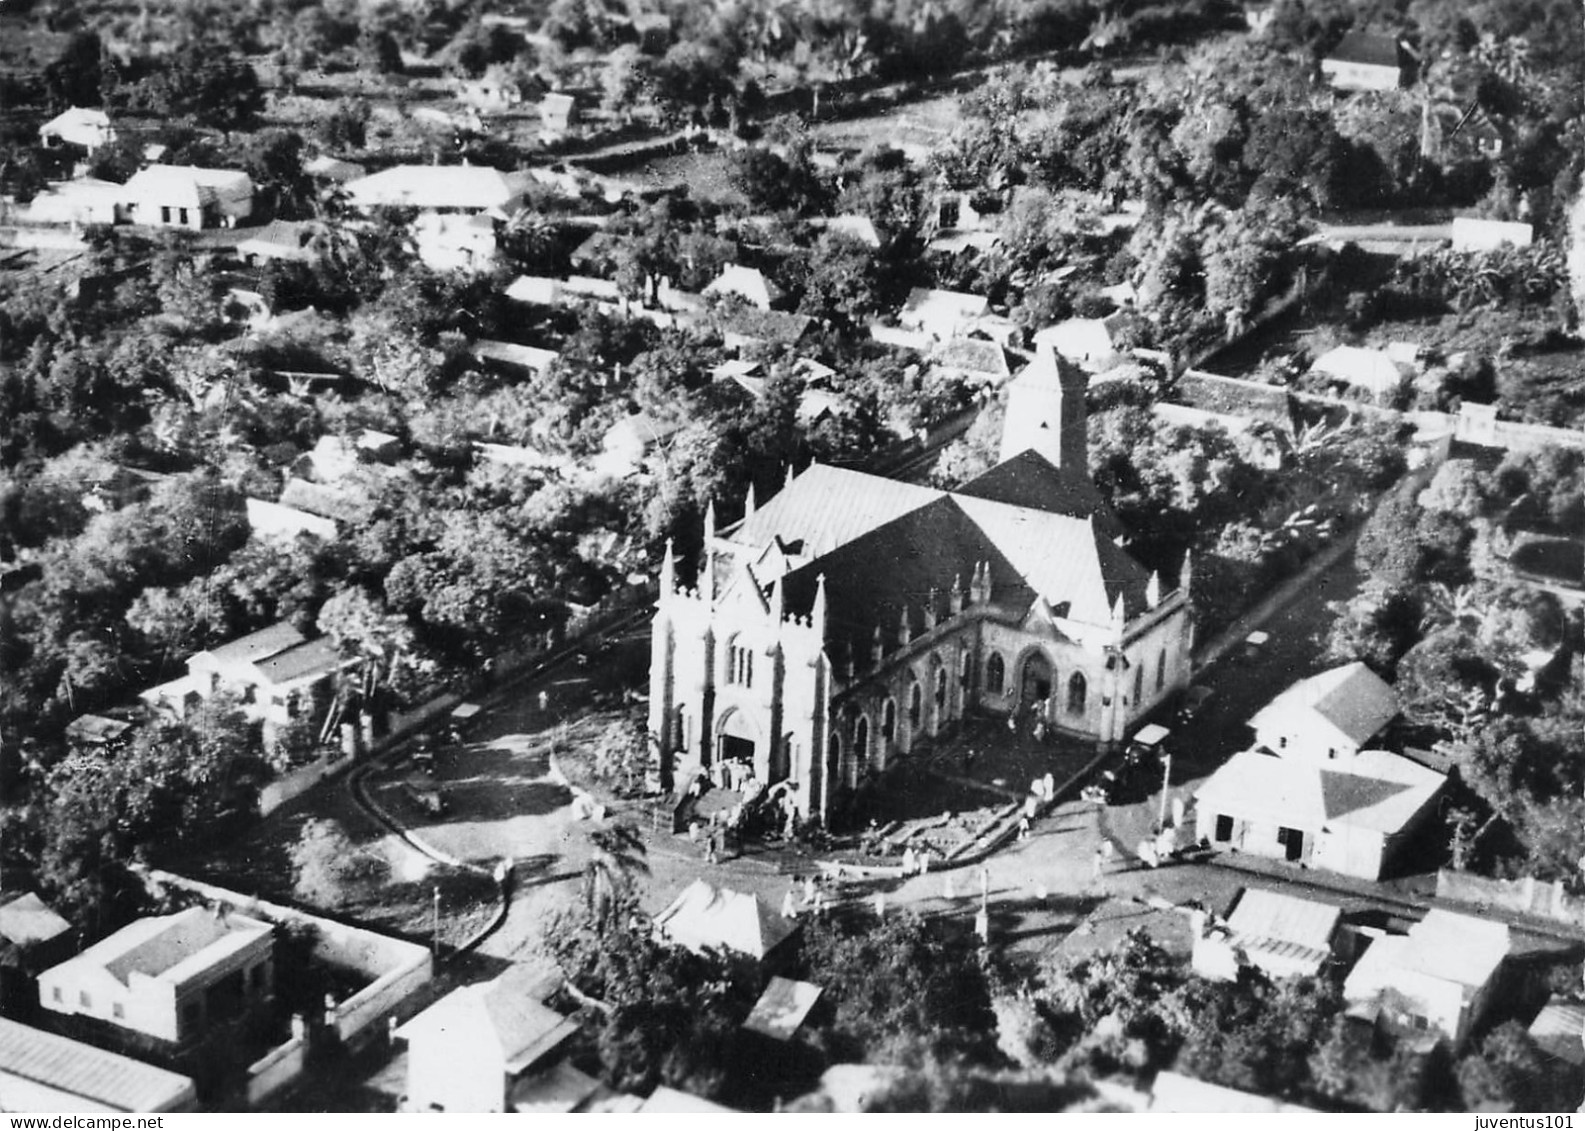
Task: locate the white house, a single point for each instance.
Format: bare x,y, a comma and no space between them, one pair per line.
185,196
942,314
455,188
509,355
466,1052
1283,935
42,1071
1353,817
704,917
170,977
1439,979
82,201
1367,369
85,128
450,242
748,283
1089,342
1327,717
629,440
1365,61
288,240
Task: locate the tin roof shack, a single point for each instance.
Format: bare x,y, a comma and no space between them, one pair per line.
84,128
32,938
1327,717
1282,935
42,1071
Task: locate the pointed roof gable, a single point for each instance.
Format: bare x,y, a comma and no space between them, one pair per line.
827,507
1351,700
703,917
505,1014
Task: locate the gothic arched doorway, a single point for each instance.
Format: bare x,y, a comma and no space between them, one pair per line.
1037,679
739,738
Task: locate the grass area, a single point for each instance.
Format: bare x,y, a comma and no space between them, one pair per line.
928,122
391,889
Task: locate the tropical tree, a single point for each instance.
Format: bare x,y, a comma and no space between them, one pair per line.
618,856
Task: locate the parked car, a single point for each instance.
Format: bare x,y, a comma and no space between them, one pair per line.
426,794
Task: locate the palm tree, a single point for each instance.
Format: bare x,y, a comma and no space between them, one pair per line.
618,859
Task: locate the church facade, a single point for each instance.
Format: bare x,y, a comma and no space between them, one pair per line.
852,619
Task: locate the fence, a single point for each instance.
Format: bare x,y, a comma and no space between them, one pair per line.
1527,896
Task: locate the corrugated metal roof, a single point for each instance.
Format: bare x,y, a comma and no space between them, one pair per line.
106,1078
306,661
1458,948
1367,47
782,1008
1351,698
1560,1030
1285,920
256,645
27,919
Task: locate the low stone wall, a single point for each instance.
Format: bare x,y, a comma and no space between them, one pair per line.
1527,896
277,1069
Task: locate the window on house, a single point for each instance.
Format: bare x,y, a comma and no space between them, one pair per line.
1331,752
1282,743
183,214
1161,669
995,674
1078,693
916,704
165,215
84,1000
118,1010
1224,827
889,720
57,994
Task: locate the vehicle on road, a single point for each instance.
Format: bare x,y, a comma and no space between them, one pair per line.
426,793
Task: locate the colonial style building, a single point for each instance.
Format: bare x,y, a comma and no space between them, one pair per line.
853,619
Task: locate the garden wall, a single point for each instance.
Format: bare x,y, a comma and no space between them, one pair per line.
398,970
276,1069
1527,896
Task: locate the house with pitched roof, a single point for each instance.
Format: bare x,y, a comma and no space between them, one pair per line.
185,196
84,127
468,1051
442,188
1283,935
1327,717
1353,817
854,618
1364,61
1355,367
1559,1030
173,978
1437,980
704,917
747,283
32,938
942,314
42,1071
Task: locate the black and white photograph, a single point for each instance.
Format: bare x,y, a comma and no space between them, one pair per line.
792,556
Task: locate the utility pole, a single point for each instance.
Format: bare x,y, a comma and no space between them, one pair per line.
1166,786
434,918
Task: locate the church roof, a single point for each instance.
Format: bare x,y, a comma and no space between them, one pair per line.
1031,480
827,507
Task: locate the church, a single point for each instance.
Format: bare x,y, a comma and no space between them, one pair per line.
852,619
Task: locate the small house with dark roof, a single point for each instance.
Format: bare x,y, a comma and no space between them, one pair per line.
32,938
1327,717
852,618
1365,61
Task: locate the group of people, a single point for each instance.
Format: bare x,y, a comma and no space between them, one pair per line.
1042,791
814,897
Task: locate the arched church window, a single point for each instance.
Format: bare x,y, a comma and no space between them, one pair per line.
941,689
1161,669
889,720
995,674
965,663
1078,692
861,749
916,704
1139,684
